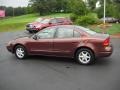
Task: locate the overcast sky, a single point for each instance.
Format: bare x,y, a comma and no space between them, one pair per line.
14,3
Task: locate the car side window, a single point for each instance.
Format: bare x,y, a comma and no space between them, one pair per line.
60,20
47,33
64,33
76,34
53,21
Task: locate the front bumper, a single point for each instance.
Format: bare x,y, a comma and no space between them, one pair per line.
10,47
31,29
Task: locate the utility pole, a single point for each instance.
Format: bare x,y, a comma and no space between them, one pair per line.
104,10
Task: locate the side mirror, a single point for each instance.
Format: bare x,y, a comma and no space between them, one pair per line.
35,37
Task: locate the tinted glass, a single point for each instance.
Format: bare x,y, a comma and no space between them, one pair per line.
64,33
53,21
86,30
76,34
47,33
60,20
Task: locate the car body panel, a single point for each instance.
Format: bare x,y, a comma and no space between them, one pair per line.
37,26
64,47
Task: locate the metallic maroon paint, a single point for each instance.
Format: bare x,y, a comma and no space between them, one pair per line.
64,47
37,26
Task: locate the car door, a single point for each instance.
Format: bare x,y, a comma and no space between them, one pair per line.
60,21
65,42
43,44
53,22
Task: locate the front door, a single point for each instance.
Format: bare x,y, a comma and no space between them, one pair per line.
43,45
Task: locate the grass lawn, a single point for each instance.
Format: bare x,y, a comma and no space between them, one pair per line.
113,29
19,22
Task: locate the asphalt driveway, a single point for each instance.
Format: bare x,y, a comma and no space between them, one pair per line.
49,73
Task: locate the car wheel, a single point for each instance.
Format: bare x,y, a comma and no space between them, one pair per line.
20,52
30,31
85,56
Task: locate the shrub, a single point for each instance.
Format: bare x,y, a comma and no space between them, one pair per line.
73,17
90,18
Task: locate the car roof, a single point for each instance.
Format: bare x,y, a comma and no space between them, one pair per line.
53,17
78,28
70,26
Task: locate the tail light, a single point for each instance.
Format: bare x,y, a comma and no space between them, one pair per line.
106,42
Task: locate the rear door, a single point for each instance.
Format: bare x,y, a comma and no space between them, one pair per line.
60,21
65,42
53,22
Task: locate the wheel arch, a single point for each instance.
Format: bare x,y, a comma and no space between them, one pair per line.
17,45
85,48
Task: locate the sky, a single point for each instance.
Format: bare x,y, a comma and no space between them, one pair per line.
14,3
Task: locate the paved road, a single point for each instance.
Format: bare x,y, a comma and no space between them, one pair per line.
48,73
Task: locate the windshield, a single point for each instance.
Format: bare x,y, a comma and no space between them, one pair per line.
45,21
86,30
39,20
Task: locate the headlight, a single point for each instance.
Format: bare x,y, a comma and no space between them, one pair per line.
31,26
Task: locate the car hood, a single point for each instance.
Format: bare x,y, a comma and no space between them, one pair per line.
34,23
22,39
38,24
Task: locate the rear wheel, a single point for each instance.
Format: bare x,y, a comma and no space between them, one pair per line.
85,56
20,52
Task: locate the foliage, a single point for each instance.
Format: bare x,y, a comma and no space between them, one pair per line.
17,11
92,4
88,19
73,17
78,7
112,8
49,6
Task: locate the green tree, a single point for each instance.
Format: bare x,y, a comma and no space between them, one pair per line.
112,8
92,4
78,7
49,6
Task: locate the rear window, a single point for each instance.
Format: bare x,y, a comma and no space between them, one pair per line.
86,30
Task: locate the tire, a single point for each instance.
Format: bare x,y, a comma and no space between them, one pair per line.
85,56
20,52
30,31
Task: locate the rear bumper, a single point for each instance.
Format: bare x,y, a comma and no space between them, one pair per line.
107,52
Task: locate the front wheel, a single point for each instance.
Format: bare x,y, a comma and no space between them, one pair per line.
85,56
20,52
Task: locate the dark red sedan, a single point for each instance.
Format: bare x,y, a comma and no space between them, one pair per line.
41,23
64,41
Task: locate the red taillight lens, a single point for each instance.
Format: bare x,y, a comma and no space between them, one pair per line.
106,42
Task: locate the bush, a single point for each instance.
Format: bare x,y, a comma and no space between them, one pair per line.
73,17
90,18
